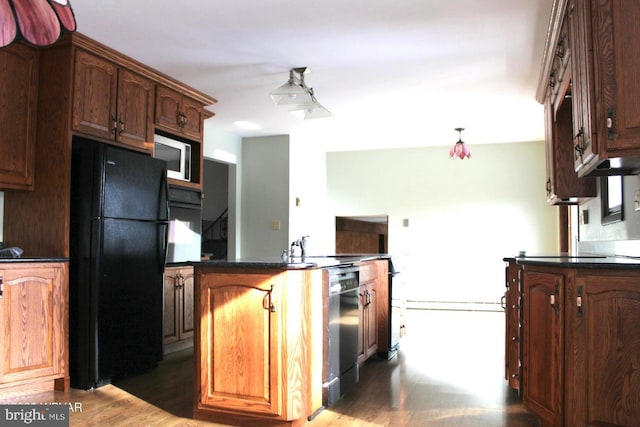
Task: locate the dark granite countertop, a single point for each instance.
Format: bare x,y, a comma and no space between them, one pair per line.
583,260
295,263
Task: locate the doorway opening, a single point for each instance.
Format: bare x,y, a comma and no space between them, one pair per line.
215,210
362,234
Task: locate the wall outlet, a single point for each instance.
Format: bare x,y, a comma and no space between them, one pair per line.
275,225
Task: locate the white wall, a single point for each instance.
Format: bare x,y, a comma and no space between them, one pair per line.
308,184
464,216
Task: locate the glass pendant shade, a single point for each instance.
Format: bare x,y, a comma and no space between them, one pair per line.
291,93
460,149
313,111
38,22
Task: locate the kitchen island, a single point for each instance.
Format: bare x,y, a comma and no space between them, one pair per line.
572,343
260,337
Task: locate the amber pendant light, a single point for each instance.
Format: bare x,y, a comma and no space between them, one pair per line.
38,22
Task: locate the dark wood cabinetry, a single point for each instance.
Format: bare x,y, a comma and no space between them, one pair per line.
512,311
18,102
82,86
563,185
178,318
603,349
178,113
605,124
112,103
543,344
581,353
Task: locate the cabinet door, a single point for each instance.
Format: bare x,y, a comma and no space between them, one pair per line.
170,312
604,380
94,102
135,110
193,120
584,142
32,314
543,345
240,340
563,184
186,304
167,114
616,64
372,320
18,98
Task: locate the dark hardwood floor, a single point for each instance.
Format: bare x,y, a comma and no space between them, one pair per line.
449,372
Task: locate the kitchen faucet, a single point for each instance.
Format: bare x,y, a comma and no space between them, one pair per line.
302,244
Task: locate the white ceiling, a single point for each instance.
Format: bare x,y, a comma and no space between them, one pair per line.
394,73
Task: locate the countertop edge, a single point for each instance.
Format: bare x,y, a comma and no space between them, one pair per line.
296,263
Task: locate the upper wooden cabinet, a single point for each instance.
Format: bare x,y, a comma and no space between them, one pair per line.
178,113
563,185
18,100
112,103
82,86
605,96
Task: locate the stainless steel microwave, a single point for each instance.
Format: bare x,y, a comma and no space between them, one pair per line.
176,153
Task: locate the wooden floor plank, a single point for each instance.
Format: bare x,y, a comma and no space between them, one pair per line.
449,373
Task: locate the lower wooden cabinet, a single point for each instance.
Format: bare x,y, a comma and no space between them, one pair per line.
34,321
178,309
512,300
368,316
581,357
543,344
256,347
603,349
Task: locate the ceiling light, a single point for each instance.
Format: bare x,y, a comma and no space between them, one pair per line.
243,124
313,111
298,97
38,22
460,149
294,91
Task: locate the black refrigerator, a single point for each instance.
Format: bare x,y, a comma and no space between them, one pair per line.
119,214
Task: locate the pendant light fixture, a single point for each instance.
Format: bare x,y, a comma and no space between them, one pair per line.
460,149
298,97
38,22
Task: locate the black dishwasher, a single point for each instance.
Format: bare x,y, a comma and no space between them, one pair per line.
342,333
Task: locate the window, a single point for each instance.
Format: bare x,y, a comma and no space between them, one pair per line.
611,199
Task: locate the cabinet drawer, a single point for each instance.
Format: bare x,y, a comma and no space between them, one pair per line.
368,272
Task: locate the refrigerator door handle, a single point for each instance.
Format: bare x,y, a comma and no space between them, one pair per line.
163,247
163,202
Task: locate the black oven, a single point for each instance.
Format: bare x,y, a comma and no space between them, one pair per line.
341,371
185,225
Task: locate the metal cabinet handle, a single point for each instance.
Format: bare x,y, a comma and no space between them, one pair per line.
1,287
